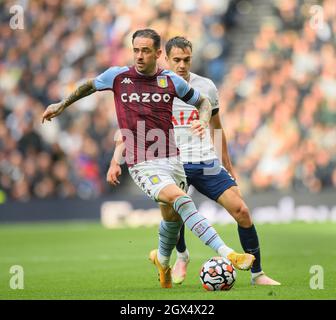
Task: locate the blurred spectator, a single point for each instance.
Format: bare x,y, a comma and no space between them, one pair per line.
61,44
278,106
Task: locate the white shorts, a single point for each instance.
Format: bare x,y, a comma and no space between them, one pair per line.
153,175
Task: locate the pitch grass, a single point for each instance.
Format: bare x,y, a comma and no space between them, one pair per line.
86,261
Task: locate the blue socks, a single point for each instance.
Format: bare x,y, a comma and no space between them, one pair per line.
199,225
168,233
250,243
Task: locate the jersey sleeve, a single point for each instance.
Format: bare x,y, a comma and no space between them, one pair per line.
183,90
105,80
213,97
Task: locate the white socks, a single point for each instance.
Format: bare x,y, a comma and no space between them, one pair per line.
183,255
164,261
256,274
224,251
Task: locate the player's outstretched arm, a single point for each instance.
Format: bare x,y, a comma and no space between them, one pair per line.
56,109
204,109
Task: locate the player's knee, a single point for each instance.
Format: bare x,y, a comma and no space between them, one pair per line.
170,194
243,216
173,196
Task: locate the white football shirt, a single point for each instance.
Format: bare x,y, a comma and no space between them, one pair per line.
192,148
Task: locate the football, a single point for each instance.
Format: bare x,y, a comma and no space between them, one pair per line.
218,274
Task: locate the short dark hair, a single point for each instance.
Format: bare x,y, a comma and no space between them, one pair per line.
148,33
178,42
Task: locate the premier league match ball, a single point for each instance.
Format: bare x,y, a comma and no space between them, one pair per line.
217,274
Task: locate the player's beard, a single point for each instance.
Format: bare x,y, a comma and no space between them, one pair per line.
140,65
147,69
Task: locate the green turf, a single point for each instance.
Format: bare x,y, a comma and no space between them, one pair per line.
86,261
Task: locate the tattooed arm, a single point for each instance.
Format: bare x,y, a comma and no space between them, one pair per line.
204,108
56,109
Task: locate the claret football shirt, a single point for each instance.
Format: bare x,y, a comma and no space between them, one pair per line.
144,109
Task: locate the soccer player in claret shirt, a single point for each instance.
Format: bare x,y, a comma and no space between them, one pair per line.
143,95
201,164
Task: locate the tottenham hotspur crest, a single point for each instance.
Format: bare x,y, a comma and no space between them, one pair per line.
162,81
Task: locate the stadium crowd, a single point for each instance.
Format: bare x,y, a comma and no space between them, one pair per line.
278,106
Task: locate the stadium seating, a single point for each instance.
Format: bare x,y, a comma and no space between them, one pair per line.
278,106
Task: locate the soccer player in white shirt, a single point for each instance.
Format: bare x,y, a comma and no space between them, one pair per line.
202,166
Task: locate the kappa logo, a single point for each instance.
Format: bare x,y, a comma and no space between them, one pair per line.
127,81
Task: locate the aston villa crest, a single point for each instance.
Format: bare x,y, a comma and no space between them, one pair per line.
162,81
154,179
